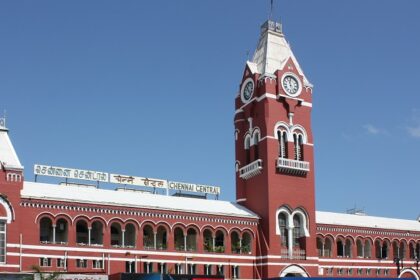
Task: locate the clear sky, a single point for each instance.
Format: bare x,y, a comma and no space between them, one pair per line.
147,88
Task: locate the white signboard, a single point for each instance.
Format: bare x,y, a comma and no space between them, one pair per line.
178,186
70,173
138,181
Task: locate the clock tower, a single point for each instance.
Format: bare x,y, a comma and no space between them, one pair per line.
275,158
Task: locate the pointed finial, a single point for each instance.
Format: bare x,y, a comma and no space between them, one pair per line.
3,120
271,9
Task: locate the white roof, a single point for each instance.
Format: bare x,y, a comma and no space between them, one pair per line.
132,199
340,219
8,156
272,53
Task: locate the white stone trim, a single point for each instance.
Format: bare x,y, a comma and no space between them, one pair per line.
355,266
175,214
285,264
306,104
258,99
299,130
255,131
132,251
28,255
10,214
297,269
9,265
350,260
267,137
409,270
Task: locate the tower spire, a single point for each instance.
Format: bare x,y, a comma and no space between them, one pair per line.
271,9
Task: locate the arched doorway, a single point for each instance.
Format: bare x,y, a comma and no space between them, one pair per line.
293,271
408,273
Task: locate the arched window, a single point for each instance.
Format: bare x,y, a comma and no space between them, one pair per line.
395,249
248,148
298,142
191,240
297,230
97,235
82,232
378,249
385,250
208,241
340,248
219,242
402,250
360,249
179,239
61,231
412,249
328,247
368,249
283,229
256,149
116,234
130,235
347,249
235,242
320,246
148,237
246,243
161,238
45,230
282,136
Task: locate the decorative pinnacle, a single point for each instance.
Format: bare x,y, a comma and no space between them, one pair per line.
3,120
272,26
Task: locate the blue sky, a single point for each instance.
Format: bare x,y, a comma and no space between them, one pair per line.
147,88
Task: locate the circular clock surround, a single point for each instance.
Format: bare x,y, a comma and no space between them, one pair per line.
247,90
291,84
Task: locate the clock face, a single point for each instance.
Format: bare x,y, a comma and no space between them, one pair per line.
247,90
291,85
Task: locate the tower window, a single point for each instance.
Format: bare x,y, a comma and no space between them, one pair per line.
256,141
247,149
297,230
283,229
282,136
298,141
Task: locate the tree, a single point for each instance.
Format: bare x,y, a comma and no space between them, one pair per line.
45,275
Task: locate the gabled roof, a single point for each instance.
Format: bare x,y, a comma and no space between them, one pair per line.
133,199
339,219
273,51
8,156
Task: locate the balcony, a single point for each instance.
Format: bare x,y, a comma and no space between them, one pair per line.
291,166
295,254
251,170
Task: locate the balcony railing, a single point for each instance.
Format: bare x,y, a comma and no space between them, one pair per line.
251,170
296,254
291,166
